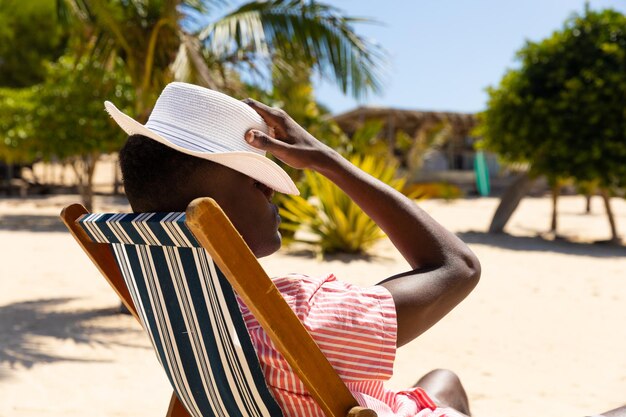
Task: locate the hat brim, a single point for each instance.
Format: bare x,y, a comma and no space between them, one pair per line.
251,164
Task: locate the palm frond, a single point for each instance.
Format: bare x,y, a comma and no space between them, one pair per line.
311,31
189,64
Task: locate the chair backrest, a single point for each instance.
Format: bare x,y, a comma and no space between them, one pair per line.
190,312
148,245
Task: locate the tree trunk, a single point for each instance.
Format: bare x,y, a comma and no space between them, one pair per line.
509,202
556,189
84,168
588,206
62,173
607,204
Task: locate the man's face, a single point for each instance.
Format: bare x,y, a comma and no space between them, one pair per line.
246,202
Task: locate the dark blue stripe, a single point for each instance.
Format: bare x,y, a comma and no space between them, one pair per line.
160,233
131,231
180,332
207,335
148,308
106,230
188,234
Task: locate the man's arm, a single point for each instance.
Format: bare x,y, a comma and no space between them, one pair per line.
444,268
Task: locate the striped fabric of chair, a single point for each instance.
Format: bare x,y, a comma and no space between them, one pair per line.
189,311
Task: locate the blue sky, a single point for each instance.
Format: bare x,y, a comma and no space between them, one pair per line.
443,53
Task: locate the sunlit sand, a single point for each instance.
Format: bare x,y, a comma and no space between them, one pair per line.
542,334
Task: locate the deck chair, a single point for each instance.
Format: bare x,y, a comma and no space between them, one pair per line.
176,272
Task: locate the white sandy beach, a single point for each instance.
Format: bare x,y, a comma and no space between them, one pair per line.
543,334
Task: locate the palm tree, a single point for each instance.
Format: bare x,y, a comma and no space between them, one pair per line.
166,40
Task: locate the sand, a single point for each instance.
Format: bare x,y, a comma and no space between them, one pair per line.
544,333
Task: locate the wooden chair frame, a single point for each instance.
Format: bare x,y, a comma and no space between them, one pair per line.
218,236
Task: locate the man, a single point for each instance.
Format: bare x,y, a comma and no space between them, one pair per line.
200,143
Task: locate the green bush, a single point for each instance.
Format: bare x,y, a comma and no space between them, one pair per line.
330,219
433,190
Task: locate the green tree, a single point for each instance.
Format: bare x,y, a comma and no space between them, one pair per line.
69,121
332,221
17,107
163,40
157,43
29,36
563,111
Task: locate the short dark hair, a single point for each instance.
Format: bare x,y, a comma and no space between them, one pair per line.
155,176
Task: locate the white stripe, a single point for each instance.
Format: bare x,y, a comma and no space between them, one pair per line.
332,325
95,231
339,302
350,371
336,353
172,228
118,230
144,231
332,316
329,345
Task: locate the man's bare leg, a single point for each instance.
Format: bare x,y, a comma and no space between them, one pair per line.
446,386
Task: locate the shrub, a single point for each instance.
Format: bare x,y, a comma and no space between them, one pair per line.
330,219
433,190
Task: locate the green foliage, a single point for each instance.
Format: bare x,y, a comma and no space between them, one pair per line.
316,34
366,141
252,37
29,36
563,110
17,107
433,190
331,220
70,120
411,151
145,35
63,117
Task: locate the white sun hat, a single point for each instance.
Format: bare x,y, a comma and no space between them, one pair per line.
209,125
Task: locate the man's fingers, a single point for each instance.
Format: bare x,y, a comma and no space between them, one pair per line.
262,141
264,110
274,118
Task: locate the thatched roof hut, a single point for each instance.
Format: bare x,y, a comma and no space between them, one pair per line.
450,158
453,149
412,122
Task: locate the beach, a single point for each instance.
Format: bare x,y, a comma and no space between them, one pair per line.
543,333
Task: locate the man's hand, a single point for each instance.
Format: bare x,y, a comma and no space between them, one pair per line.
291,143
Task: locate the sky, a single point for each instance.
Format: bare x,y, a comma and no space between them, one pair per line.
444,53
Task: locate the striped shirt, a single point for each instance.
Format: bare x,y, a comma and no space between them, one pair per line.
356,329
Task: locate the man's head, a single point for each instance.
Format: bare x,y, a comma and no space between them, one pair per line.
208,125
193,146
159,178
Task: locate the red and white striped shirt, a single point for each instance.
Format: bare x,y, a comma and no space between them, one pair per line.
356,329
